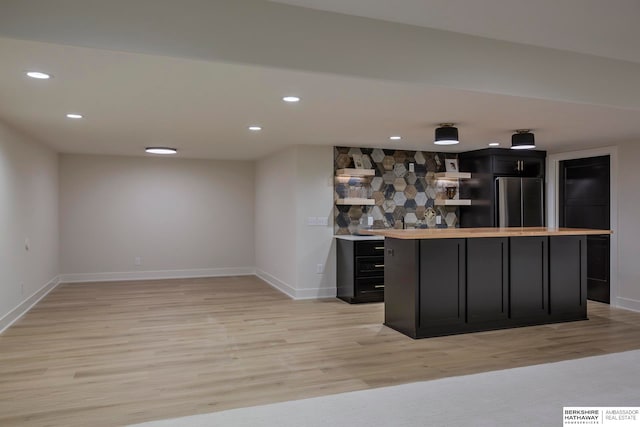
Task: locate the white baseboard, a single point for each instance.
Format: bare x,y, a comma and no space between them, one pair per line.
15,314
628,303
293,293
276,283
158,274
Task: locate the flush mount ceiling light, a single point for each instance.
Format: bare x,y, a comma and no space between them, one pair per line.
38,75
74,116
255,128
160,150
523,140
446,134
395,137
291,99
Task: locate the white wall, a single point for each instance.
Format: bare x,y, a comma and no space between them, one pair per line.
629,226
275,226
291,186
315,244
28,210
181,217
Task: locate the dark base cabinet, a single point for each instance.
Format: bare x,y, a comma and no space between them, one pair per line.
360,270
529,277
442,291
487,279
440,287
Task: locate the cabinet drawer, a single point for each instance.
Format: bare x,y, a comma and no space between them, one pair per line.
370,285
369,266
370,248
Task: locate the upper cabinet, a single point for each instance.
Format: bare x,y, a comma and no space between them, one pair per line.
522,164
504,162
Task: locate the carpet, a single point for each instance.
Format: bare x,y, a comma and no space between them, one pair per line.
528,396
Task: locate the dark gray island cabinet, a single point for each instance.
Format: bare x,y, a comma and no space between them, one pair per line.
443,282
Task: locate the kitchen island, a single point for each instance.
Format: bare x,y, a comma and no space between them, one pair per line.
452,281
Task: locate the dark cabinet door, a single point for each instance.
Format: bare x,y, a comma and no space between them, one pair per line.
532,167
529,277
506,166
568,278
487,279
442,282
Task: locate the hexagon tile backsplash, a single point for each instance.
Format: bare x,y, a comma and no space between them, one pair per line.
397,192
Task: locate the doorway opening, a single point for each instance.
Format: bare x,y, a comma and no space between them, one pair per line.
584,202
582,192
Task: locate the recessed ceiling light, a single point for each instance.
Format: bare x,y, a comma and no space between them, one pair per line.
494,144
395,137
38,75
291,99
160,150
74,116
255,128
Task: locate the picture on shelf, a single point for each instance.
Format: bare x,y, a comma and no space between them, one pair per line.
451,165
357,161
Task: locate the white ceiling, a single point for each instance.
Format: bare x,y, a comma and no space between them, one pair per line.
203,106
597,27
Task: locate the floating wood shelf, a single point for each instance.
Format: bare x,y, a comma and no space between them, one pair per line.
452,202
355,172
355,201
454,175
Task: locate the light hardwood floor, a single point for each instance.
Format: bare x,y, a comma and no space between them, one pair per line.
106,354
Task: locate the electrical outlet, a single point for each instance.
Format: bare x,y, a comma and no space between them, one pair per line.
369,220
138,260
320,268
438,219
412,167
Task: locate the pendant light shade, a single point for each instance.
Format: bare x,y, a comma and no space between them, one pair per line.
523,140
446,134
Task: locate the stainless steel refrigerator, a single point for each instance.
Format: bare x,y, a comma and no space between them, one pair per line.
519,202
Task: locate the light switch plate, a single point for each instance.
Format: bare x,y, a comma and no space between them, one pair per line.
412,167
438,219
323,220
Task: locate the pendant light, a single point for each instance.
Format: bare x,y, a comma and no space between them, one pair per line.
523,140
446,134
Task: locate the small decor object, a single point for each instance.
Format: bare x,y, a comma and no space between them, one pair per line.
451,165
451,192
357,161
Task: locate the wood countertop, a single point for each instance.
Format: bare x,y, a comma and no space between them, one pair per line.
462,233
